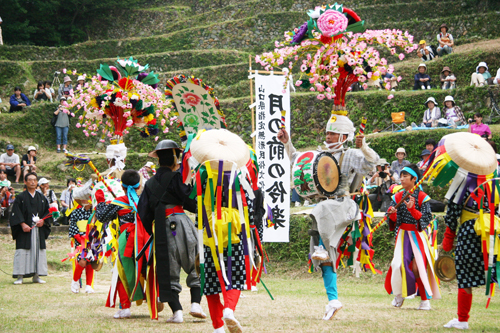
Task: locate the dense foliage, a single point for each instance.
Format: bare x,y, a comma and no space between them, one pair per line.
55,23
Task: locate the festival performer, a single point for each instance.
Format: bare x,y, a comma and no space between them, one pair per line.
78,220
472,196
30,231
161,207
331,217
126,281
413,260
225,180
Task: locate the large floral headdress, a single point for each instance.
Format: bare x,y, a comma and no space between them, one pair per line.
119,97
334,50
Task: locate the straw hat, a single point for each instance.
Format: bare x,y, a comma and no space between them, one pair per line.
471,152
220,144
382,162
400,150
446,68
67,79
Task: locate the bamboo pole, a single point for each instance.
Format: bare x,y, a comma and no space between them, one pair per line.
251,99
266,72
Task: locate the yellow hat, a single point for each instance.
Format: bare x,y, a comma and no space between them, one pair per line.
422,42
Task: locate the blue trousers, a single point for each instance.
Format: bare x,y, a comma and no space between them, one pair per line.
295,196
62,135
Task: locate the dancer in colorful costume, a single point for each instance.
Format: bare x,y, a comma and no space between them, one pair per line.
413,260
224,191
331,217
161,208
126,280
78,220
469,162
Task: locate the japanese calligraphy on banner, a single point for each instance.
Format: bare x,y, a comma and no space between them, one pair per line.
274,164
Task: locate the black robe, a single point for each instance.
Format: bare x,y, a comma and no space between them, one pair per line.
23,209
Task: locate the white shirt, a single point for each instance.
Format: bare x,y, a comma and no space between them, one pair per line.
4,158
496,80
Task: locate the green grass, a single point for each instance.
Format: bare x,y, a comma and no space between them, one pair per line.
298,305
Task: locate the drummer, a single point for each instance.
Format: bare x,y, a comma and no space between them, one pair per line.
332,216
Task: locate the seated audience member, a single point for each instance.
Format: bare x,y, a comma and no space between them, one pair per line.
80,83
29,161
18,101
478,127
3,177
66,199
454,114
422,79
432,114
481,77
425,52
445,41
448,79
387,80
65,88
48,87
41,94
496,79
9,162
422,165
400,163
49,194
430,144
383,178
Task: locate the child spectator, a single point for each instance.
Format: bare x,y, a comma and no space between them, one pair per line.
62,126
65,88
422,79
400,163
80,83
29,161
479,128
448,79
10,163
422,165
425,52
481,77
40,94
48,87
432,114
453,113
430,145
3,177
18,101
388,78
445,41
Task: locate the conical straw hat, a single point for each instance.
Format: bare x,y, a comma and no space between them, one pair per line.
471,152
220,144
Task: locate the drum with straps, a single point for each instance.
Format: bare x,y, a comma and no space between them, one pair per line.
315,173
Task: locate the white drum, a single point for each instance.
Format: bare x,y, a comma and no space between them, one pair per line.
315,173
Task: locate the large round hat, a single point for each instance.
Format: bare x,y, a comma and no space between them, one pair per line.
220,145
471,152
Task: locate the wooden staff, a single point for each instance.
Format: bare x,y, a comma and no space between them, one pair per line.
251,99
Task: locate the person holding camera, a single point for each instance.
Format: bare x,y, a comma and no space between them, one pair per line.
6,199
479,128
62,126
383,179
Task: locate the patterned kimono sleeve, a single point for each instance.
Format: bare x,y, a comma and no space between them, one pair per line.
426,215
453,213
73,228
106,212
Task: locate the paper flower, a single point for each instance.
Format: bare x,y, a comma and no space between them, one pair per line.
191,99
300,34
332,22
390,97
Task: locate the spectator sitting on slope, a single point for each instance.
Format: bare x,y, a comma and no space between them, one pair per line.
453,113
445,41
18,101
432,114
481,77
425,52
422,79
448,79
41,94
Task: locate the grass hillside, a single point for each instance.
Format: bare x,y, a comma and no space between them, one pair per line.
214,40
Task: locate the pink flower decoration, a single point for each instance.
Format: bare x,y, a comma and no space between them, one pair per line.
156,138
191,99
78,125
399,78
64,70
401,56
298,83
321,97
332,22
365,86
390,96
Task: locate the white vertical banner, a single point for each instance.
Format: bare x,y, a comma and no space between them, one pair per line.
274,164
